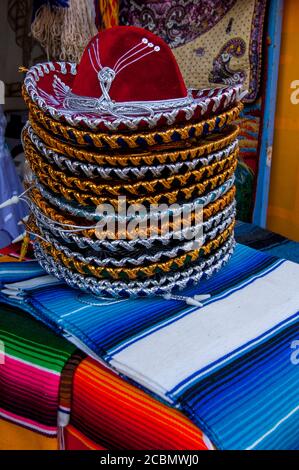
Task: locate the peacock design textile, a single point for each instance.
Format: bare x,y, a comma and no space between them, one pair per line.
236,360
216,42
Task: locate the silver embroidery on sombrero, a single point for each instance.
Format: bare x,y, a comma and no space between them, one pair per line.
105,105
219,98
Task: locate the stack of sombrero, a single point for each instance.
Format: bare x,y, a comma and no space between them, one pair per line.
123,124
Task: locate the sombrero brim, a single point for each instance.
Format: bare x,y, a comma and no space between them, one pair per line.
47,84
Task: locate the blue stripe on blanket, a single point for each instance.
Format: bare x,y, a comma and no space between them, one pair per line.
12,272
253,402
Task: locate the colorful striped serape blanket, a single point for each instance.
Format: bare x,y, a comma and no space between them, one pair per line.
97,394
35,374
230,366
37,380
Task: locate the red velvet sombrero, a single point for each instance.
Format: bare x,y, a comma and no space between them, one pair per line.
129,79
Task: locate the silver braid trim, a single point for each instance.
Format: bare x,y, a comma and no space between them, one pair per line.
125,109
136,173
151,287
220,98
127,261
77,211
115,246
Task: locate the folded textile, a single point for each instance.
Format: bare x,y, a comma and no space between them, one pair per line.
92,384
229,365
35,377
110,412
98,392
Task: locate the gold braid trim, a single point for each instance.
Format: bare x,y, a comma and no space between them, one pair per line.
126,274
132,140
211,144
141,187
174,225
172,197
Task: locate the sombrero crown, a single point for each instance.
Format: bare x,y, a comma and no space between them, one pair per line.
127,71
130,64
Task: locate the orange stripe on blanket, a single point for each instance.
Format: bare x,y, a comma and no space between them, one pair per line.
116,414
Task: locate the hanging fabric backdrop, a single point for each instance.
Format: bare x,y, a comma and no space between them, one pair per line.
215,41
